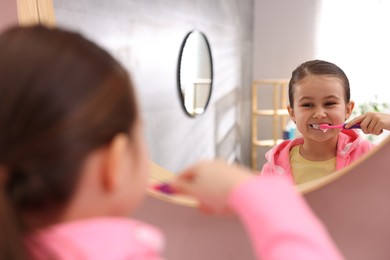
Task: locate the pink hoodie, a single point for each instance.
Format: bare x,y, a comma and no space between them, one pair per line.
277,219
350,146
98,239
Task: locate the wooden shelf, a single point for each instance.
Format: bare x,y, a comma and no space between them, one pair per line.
268,143
278,112
271,112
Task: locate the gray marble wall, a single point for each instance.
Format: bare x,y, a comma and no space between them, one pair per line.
146,37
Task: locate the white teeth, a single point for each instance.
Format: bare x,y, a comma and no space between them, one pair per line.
317,126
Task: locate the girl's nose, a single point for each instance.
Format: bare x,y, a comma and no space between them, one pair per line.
319,113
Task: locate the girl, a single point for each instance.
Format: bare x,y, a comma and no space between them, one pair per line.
319,94
73,163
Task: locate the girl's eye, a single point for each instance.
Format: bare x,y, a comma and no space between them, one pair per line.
307,105
330,104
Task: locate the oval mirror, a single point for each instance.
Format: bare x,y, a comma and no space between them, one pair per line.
195,73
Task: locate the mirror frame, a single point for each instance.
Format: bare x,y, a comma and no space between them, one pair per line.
178,72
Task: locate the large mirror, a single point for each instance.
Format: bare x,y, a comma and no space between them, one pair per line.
354,203
195,73
148,44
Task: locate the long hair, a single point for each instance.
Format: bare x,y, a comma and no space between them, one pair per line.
61,97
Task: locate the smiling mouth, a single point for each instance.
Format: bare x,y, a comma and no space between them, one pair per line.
317,127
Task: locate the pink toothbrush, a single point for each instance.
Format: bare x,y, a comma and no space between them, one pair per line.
164,188
327,126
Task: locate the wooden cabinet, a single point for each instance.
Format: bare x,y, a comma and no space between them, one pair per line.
269,99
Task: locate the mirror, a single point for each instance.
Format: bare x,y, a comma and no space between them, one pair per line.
195,73
175,142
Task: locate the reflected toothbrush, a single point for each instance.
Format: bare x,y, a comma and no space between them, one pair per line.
327,126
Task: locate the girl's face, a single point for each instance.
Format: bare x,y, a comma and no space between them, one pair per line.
319,100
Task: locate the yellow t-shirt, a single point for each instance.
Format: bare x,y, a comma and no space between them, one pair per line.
304,170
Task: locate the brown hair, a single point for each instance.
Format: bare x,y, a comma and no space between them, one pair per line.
61,96
317,67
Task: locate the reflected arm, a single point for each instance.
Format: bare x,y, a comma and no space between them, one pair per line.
279,222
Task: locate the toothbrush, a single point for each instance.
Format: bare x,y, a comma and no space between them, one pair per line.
164,188
327,126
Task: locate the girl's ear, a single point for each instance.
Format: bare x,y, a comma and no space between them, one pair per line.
115,161
349,109
291,112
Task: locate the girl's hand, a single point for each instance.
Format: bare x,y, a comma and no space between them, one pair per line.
371,122
211,183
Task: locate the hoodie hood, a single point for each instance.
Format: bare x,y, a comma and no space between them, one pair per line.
348,141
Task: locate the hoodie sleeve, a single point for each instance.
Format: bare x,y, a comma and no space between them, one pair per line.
279,222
